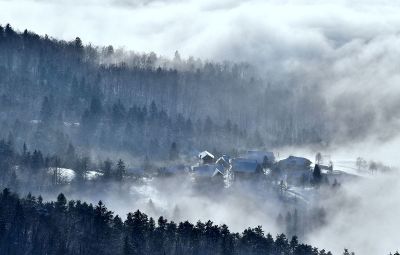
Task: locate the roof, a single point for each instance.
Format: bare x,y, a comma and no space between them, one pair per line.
244,165
204,154
260,155
207,170
224,160
292,161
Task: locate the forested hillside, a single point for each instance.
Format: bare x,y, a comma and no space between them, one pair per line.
31,226
55,93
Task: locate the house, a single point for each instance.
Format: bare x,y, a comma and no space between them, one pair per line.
207,170
296,169
265,158
208,173
223,161
206,157
245,168
294,163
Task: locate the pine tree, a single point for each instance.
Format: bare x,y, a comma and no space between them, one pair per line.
317,175
61,202
107,170
120,172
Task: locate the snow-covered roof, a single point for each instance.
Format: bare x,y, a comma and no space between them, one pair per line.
223,160
244,165
204,154
260,155
295,162
207,170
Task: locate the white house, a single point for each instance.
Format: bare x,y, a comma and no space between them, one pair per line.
206,157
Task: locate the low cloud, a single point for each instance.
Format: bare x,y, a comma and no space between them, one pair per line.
363,217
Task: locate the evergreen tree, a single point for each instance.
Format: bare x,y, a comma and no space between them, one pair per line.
120,172
61,202
31,226
107,169
317,175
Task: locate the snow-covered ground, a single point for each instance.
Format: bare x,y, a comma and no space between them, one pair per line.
67,175
348,166
64,174
91,175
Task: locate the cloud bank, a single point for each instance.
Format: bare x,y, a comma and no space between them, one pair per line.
363,218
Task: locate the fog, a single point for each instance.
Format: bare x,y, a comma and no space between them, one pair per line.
347,50
363,218
179,198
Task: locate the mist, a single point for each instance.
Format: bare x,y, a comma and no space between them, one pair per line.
346,52
363,218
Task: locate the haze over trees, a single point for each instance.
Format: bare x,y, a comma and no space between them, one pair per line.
31,226
55,93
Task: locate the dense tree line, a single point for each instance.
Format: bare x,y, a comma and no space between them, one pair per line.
31,170
55,92
31,226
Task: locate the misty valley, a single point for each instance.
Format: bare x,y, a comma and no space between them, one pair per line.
105,150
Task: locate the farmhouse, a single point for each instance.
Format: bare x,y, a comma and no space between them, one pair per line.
245,168
206,157
296,169
264,158
294,163
223,161
208,173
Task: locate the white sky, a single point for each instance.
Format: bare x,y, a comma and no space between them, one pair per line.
231,29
